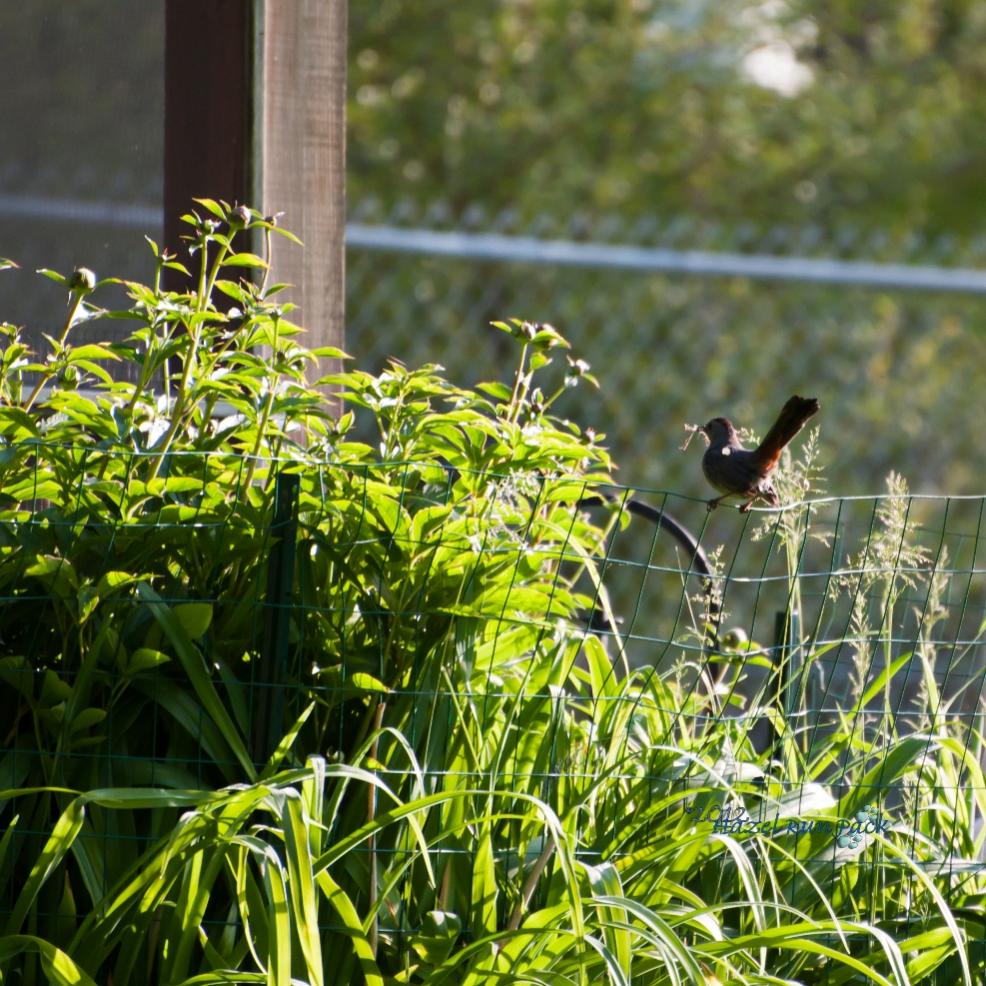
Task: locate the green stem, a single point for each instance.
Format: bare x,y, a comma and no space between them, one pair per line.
530,885
264,414
371,843
203,269
166,370
267,258
388,429
207,281
178,411
142,386
213,276
888,652
147,371
551,400
519,380
45,377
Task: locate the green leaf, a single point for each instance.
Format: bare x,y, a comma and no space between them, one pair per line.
133,798
56,572
109,582
213,206
279,921
59,969
194,666
484,889
513,327
143,659
600,666
367,683
888,674
90,351
287,234
286,743
301,885
233,290
59,842
18,423
604,879
547,337
88,600
244,260
86,719
330,352
195,618
436,938
495,389
53,275
94,368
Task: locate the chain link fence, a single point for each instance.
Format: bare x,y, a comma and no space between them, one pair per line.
893,366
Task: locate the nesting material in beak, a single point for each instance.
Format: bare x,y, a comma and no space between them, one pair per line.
692,429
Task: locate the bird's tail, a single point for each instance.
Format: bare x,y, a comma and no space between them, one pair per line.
791,420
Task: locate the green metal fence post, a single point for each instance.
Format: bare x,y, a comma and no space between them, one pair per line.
268,706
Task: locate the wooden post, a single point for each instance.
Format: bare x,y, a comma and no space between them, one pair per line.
255,113
302,150
208,55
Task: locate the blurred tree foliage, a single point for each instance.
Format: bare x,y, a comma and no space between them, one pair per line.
783,110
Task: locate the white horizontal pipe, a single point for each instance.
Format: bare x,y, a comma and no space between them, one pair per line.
528,250
561,253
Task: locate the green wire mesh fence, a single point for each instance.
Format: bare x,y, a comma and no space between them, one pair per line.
805,684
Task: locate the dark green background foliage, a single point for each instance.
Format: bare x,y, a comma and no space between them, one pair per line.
644,106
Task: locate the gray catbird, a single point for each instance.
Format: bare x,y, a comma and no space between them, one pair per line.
744,474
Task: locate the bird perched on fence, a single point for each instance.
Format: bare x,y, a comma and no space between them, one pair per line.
744,474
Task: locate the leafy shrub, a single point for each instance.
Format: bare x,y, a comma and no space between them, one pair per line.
362,675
